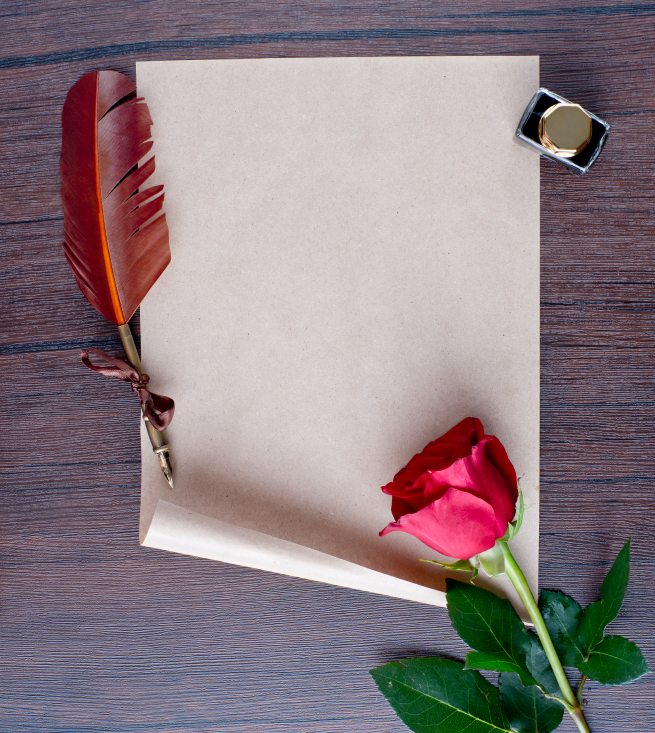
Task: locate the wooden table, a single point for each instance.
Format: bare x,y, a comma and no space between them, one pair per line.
97,634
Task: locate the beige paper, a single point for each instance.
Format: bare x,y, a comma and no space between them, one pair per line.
355,268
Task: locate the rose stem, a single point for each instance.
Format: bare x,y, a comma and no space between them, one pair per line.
515,574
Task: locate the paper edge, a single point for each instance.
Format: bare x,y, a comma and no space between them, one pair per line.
182,531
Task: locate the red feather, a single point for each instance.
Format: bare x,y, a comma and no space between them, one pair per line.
115,236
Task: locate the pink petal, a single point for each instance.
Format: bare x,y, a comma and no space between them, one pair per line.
498,456
479,474
441,452
458,525
423,492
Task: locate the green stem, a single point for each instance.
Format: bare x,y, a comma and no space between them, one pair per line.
579,720
515,574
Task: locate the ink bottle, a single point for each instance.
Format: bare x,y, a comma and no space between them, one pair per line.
562,130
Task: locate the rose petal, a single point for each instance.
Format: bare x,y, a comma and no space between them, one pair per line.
479,475
457,525
467,432
399,507
422,492
498,455
438,454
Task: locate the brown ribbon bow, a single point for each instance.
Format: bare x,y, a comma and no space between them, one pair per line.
157,408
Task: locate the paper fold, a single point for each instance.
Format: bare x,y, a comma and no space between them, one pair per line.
180,530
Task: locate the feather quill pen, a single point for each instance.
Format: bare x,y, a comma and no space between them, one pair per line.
115,233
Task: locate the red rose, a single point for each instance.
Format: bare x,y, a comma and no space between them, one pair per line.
458,494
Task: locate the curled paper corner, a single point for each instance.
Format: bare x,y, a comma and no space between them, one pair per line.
182,531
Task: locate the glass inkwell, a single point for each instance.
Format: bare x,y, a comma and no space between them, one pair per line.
562,130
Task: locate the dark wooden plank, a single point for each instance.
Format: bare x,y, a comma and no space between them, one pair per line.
100,635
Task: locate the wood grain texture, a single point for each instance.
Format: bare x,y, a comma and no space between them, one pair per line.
97,634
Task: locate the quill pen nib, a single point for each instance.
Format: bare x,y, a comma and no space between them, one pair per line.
165,464
157,438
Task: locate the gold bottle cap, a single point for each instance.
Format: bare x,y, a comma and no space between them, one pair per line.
565,129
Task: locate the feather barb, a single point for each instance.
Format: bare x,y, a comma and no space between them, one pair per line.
115,234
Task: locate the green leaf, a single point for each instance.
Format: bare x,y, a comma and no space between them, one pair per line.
562,616
536,663
539,666
489,624
527,709
434,695
597,615
615,661
491,662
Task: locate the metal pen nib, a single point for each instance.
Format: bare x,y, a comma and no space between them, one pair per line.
157,437
165,464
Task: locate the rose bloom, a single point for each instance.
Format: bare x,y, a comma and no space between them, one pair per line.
458,494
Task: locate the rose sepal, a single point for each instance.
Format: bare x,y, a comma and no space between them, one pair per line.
459,566
515,525
492,561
